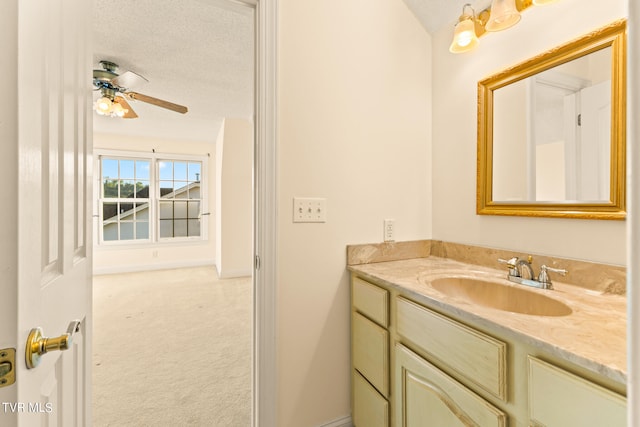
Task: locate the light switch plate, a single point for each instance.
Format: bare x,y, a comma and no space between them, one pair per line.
389,230
309,209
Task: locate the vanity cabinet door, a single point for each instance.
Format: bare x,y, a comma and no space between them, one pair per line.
427,397
558,398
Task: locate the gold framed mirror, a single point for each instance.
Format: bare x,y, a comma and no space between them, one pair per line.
552,132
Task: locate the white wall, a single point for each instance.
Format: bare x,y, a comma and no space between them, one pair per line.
234,203
109,259
455,80
354,127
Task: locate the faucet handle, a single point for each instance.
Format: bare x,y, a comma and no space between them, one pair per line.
511,263
544,276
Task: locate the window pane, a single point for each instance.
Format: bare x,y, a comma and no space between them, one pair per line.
109,168
194,191
126,231
127,169
142,189
142,230
194,171
166,228
110,188
194,227
142,211
180,210
109,210
193,210
126,211
166,189
180,228
181,189
166,210
180,171
166,169
110,232
127,189
142,169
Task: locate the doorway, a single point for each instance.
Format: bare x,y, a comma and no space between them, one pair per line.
162,132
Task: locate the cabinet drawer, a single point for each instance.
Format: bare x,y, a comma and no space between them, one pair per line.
371,352
426,396
372,301
558,398
370,409
477,357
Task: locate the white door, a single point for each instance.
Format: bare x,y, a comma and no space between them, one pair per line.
47,255
595,142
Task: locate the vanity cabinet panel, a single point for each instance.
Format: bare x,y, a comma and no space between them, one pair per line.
427,397
476,357
370,409
371,352
558,398
371,300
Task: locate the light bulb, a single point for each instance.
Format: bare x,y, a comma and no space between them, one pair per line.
103,105
118,110
464,36
543,2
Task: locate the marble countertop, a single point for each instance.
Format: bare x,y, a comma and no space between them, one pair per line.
593,336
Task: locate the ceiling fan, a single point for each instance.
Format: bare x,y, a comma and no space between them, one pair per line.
114,90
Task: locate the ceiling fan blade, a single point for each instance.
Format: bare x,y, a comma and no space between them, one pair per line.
130,114
128,80
158,102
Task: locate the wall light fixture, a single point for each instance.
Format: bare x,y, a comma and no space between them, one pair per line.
502,14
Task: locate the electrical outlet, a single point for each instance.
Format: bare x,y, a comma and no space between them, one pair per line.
389,230
307,209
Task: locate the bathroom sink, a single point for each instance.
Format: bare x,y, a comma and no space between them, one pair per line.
501,297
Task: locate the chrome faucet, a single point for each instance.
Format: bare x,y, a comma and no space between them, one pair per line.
524,268
520,271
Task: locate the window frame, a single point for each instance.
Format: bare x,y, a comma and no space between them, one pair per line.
154,158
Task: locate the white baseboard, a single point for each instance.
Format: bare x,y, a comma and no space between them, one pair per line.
340,422
149,267
225,274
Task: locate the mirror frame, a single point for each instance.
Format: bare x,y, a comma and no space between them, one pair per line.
612,35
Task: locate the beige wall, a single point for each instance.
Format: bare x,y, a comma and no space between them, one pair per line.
454,137
354,127
234,204
108,259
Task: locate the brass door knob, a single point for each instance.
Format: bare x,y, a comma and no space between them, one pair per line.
37,345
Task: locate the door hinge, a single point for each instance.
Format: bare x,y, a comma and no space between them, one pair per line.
7,366
257,263
579,119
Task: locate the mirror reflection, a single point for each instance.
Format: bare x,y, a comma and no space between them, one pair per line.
551,138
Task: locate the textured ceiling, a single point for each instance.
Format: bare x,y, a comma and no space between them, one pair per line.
436,14
198,53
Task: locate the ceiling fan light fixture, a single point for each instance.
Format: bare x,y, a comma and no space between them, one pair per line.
118,110
104,106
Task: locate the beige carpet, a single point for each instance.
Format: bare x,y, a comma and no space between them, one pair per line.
172,348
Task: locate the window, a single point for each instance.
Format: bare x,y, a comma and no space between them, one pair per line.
179,195
150,199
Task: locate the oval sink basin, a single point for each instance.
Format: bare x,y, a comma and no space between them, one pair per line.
501,297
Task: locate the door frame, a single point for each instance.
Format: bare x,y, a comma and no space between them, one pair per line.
265,373
633,210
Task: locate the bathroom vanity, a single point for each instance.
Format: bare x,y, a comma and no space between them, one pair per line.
439,342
